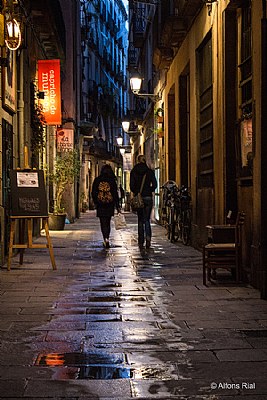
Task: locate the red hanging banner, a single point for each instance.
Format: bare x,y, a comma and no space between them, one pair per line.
49,83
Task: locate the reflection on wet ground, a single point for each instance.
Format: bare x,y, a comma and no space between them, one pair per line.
100,366
121,324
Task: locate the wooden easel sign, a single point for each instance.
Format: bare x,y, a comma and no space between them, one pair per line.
28,202
28,195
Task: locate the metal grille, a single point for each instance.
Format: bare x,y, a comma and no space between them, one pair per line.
246,61
205,115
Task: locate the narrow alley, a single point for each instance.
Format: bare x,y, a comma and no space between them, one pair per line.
121,323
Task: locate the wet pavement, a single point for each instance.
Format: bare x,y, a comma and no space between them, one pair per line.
123,323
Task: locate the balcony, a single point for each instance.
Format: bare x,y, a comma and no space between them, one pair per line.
162,57
104,150
132,56
177,17
47,16
139,27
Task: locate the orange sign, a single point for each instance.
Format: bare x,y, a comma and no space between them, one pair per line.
49,83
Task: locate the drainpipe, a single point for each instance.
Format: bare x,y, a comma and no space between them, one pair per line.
263,248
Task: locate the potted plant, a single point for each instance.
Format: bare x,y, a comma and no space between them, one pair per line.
66,169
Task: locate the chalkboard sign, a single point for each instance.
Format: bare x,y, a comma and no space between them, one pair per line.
28,195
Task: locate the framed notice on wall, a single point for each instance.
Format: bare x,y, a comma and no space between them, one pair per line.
28,195
9,89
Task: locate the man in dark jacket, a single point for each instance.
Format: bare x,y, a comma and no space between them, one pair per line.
150,184
105,197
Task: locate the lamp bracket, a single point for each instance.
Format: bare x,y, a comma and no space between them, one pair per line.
151,96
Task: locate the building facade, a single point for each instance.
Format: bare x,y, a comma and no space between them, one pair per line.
208,63
49,30
104,94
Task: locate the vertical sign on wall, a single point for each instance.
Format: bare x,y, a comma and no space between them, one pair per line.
9,86
246,141
65,139
49,83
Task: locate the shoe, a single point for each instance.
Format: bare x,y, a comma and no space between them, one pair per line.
148,243
106,244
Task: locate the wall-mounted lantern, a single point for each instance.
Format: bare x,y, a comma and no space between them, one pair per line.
126,125
135,84
119,140
13,34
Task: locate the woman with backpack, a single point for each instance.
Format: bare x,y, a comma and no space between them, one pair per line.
105,197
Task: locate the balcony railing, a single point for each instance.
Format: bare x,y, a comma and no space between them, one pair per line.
132,55
104,149
139,26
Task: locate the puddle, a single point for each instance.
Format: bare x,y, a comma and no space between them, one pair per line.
100,366
102,310
104,299
87,365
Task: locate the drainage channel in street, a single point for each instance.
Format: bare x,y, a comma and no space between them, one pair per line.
100,366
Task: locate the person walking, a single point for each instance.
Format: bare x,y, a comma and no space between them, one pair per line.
150,184
121,195
106,199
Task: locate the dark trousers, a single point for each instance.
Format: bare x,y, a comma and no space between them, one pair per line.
144,226
105,226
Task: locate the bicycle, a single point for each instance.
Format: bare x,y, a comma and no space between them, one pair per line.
185,214
176,212
169,209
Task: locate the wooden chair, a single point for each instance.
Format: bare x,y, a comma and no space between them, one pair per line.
224,255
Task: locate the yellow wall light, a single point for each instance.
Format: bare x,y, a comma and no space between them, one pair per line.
13,34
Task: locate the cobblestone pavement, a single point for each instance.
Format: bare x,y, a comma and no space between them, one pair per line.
122,324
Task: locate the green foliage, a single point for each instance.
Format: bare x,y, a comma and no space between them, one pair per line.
66,169
38,139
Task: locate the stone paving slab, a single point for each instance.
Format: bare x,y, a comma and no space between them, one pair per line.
178,338
88,389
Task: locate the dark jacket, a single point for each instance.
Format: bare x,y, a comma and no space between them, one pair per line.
105,209
136,176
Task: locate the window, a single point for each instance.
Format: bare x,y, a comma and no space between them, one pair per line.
246,62
245,84
205,173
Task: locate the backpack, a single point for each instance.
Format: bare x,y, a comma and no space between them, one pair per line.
104,195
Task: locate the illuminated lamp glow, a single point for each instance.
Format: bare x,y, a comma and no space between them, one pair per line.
14,35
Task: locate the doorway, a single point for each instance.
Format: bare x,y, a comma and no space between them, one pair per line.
171,136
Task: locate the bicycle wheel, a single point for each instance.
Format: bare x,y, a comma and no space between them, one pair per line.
186,232
163,216
166,220
170,223
175,227
179,225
